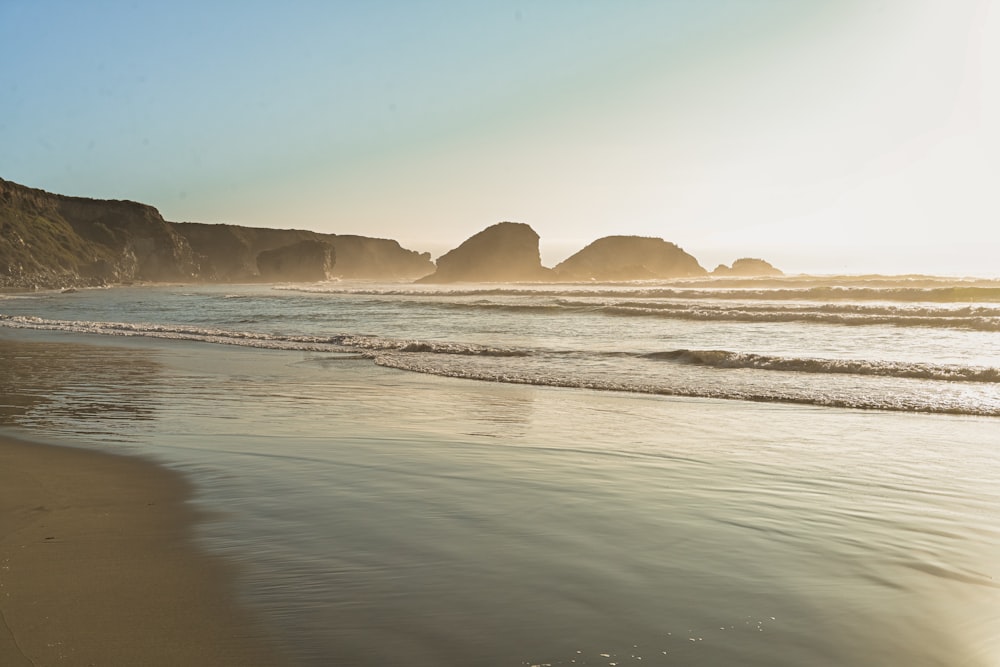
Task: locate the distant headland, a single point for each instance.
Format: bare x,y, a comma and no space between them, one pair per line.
51,241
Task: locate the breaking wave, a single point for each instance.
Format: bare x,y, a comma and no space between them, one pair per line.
928,290
890,399
973,318
334,343
888,385
922,371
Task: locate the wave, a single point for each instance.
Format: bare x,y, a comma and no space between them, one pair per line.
856,317
973,318
592,370
334,343
887,290
174,332
722,359
889,401
897,369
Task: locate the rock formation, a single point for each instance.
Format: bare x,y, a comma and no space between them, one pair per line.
504,252
305,261
53,240
377,259
628,258
228,253
50,240
747,266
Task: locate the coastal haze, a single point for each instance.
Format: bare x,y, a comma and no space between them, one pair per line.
661,333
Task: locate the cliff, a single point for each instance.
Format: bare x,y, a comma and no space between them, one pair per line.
228,253
385,259
50,240
504,252
747,266
305,261
628,258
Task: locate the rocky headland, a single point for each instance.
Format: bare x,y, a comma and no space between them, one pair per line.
51,240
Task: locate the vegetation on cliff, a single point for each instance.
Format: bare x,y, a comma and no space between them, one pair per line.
50,240
54,240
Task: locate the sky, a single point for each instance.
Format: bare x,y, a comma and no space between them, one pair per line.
826,136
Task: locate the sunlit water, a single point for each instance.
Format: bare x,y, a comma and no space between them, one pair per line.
390,517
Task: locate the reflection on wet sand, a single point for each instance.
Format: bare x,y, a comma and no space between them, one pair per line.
63,386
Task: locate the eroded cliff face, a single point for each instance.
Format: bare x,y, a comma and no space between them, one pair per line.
229,253
53,240
305,261
616,258
50,240
504,252
378,259
223,253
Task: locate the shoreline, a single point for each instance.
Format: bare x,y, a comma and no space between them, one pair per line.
98,565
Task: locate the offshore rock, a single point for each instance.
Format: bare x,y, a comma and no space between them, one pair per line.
629,258
504,252
746,267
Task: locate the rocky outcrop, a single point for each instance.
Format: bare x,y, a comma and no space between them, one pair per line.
50,240
378,259
224,253
150,247
747,266
228,253
53,240
628,258
305,261
504,252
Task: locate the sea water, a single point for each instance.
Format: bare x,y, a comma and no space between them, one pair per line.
791,472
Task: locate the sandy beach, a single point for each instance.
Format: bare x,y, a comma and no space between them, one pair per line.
98,567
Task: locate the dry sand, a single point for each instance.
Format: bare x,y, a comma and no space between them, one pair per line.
98,567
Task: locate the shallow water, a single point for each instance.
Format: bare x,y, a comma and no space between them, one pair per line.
874,346
395,518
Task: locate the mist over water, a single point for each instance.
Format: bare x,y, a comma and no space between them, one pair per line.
384,516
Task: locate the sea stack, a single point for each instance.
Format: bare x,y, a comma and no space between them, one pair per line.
504,252
629,258
746,267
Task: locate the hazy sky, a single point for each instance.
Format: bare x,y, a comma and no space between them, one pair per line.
823,135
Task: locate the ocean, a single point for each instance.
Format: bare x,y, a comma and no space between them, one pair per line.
782,471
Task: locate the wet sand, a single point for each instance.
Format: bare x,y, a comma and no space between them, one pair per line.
98,567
